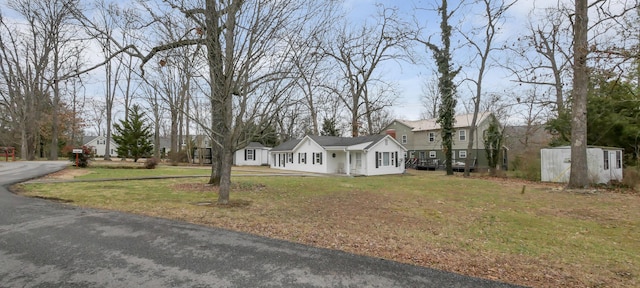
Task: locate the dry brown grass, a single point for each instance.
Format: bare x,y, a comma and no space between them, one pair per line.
485,227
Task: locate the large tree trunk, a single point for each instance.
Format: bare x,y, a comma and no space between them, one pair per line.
225,177
354,116
579,177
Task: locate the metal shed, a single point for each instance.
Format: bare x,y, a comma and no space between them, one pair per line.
604,164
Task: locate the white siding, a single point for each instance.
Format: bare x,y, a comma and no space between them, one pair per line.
353,160
305,146
261,157
99,149
388,146
556,165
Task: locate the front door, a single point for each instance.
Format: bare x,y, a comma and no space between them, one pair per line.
356,166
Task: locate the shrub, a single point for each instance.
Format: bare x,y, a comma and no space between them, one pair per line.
527,166
83,158
178,157
151,163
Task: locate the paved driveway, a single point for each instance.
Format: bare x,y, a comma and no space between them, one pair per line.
47,244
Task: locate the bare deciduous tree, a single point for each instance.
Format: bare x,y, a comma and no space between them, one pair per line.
34,58
493,12
359,54
430,98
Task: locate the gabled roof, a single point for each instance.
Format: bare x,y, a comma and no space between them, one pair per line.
87,139
331,141
461,121
287,146
256,145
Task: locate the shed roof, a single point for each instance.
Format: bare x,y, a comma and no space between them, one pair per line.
588,146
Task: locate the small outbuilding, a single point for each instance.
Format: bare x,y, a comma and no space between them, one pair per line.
255,154
604,164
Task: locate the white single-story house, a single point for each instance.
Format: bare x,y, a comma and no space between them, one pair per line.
255,154
365,155
98,144
604,164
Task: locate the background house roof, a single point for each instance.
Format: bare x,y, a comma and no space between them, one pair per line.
87,139
463,120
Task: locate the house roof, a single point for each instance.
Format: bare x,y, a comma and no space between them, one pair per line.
255,145
331,141
588,147
87,139
463,120
287,146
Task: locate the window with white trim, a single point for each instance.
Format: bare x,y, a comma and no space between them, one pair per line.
462,135
318,158
432,136
250,155
432,154
462,154
385,158
605,155
618,159
404,139
393,159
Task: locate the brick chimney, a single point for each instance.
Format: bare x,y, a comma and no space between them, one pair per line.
392,133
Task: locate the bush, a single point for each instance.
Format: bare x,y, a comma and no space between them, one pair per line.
151,163
83,158
527,166
178,157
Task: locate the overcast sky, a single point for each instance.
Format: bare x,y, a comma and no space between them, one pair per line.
410,77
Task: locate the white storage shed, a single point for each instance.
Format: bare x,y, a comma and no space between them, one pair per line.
604,164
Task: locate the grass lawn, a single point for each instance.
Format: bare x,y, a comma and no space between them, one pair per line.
482,227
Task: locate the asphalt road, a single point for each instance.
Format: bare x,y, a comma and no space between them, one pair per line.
48,244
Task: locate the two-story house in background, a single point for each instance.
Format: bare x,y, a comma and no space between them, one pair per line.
423,141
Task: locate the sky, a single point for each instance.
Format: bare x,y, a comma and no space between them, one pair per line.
410,77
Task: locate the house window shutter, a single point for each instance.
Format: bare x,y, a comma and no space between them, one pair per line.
320,158
313,158
377,157
254,155
298,158
245,154
305,157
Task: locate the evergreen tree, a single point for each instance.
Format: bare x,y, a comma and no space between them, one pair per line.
133,136
329,127
493,145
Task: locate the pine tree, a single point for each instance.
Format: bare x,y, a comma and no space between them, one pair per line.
329,127
133,136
